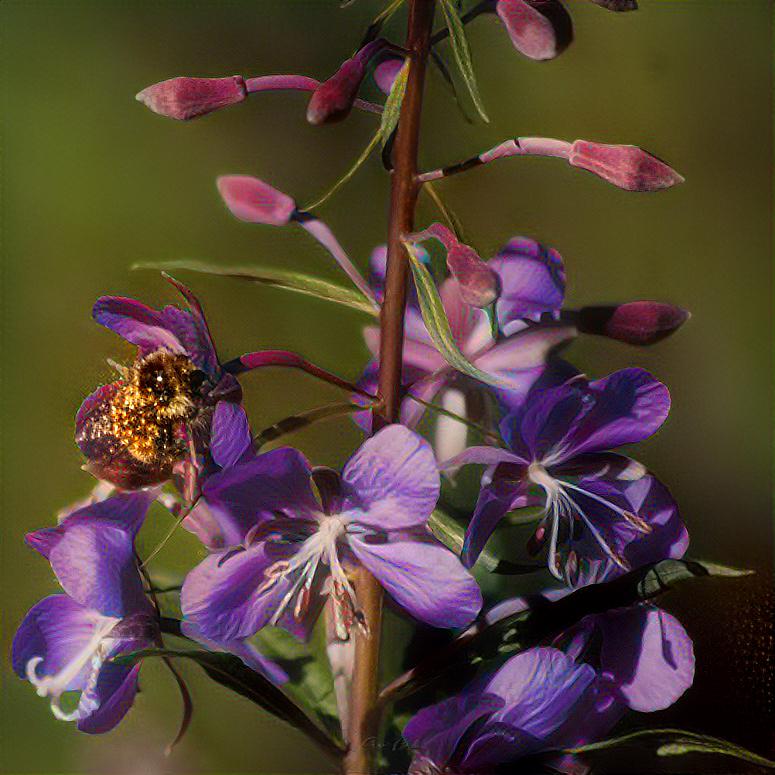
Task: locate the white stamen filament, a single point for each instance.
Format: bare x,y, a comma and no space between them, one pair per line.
53,686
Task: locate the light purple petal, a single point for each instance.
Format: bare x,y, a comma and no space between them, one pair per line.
230,436
648,654
392,481
228,597
532,279
137,323
256,490
57,629
423,577
494,501
488,456
92,553
248,653
114,694
254,201
539,31
425,389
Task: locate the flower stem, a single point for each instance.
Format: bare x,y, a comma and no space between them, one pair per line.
364,713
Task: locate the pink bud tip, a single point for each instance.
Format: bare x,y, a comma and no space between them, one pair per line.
637,322
254,201
385,73
186,98
479,285
539,29
626,166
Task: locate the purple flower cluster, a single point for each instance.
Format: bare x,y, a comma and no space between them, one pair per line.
285,541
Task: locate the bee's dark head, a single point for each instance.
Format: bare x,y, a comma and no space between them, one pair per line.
168,379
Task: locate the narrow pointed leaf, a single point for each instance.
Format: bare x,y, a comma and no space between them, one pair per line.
231,672
435,319
298,282
462,53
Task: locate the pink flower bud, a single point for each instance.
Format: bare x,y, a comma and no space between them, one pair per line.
385,73
254,201
626,166
186,98
334,98
479,284
637,322
539,29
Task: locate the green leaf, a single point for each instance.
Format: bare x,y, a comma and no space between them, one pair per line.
462,52
451,533
435,319
395,99
278,278
679,742
388,123
231,672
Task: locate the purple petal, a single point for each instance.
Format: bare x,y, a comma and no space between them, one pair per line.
436,731
425,389
57,629
423,577
246,494
248,653
648,655
115,692
228,597
494,501
532,280
92,553
137,323
498,743
254,201
488,456
230,436
392,481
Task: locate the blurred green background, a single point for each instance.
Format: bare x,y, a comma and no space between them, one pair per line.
94,182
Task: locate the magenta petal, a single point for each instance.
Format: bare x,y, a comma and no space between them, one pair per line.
649,655
230,436
185,98
539,29
137,323
424,578
391,482
626,166
636,322
254,201
478,282
385,73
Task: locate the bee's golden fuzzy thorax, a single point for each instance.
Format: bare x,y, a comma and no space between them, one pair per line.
144,414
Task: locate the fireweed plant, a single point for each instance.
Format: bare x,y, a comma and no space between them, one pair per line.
286,608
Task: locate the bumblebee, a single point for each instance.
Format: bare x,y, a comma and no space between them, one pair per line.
135,429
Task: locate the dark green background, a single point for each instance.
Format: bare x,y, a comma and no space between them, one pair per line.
94,182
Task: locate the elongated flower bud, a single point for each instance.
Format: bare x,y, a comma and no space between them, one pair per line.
539,29
186,98
334,98
626,166
637,322
254,201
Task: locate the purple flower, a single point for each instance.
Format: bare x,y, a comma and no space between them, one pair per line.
516,360
175,396
66,641
601,510
539,700
287,552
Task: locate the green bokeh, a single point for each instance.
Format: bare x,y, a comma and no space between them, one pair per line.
93,182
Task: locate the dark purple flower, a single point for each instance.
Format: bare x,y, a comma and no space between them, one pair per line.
600,509
173,398
66,642
286,552
538,701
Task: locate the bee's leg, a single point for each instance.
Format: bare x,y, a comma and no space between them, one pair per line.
190,470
